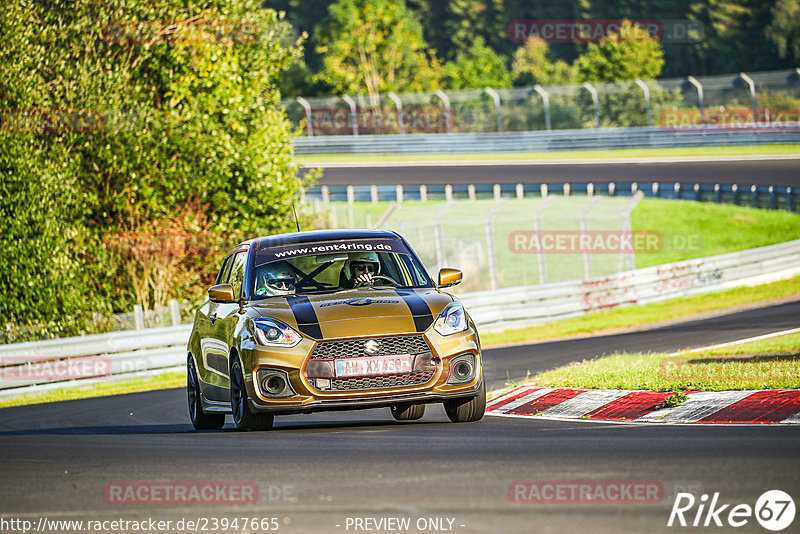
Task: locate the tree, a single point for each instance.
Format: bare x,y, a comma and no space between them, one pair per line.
784,30
532,65
375,46
127,112
627,54
477,67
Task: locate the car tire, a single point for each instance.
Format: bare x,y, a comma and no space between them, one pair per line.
200,419
240,408
407,411
466,410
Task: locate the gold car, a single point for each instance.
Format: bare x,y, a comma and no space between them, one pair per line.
331,320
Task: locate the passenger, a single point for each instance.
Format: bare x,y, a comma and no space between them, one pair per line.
276,278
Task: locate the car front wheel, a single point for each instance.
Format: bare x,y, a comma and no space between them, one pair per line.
242,416
466,410
200,419
407,411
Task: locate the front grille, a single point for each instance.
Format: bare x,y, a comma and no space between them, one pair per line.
327,352
377,382
354,348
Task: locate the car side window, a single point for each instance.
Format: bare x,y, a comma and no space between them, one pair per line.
237,273
222,277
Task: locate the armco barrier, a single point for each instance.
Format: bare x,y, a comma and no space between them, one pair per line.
504,308
598,138
143,352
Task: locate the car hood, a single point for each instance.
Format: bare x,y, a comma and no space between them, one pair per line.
358,312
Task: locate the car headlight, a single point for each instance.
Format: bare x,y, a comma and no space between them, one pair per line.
274,333
452,320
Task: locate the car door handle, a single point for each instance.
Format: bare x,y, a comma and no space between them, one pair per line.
212,317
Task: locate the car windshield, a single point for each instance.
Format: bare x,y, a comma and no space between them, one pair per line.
332,267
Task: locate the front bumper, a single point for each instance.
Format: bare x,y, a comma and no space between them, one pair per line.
321,405
308,398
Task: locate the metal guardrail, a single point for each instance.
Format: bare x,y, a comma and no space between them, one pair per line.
122,355
598,138
757,196
504,308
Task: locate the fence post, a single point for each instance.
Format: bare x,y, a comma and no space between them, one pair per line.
326,194
646,91
175,312
138,317
735,191
471,192
700,100
353,113
373,193
593,91
307,108
351,194
446,101
537,226
772,200
423,193
448,192
754,190
497,191
399,193
587,258
543,190
717,194
491,253
399,105
496,97
546,100
789,199
520,191
752,86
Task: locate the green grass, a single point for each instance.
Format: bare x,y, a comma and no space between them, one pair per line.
767,364
648,314
162,381
698,229
757,150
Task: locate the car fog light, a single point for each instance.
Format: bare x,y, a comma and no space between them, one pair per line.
462,369
274,383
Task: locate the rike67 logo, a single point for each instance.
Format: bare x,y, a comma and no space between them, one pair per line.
774,510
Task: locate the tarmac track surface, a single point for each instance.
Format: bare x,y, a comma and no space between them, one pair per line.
777,172
315,471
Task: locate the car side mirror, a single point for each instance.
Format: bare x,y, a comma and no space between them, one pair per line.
449,277
221,293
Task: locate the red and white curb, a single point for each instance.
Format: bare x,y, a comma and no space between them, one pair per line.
759,406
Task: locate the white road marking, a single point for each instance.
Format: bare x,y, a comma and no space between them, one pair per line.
738,342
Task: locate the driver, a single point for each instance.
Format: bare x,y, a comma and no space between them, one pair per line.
275,278
360,267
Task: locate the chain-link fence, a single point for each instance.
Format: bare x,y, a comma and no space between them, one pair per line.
511,242
730,100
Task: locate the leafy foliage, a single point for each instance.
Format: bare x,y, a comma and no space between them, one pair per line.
127,114
627,54
477,67
377,46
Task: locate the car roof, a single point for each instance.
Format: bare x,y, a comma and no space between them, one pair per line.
315,236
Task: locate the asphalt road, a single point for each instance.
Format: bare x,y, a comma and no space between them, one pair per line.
779,172
314,472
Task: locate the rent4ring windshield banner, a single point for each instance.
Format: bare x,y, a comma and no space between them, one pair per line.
296,250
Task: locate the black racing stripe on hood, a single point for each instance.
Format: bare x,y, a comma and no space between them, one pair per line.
420,310
305,316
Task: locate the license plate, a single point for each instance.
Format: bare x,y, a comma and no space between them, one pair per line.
372,366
